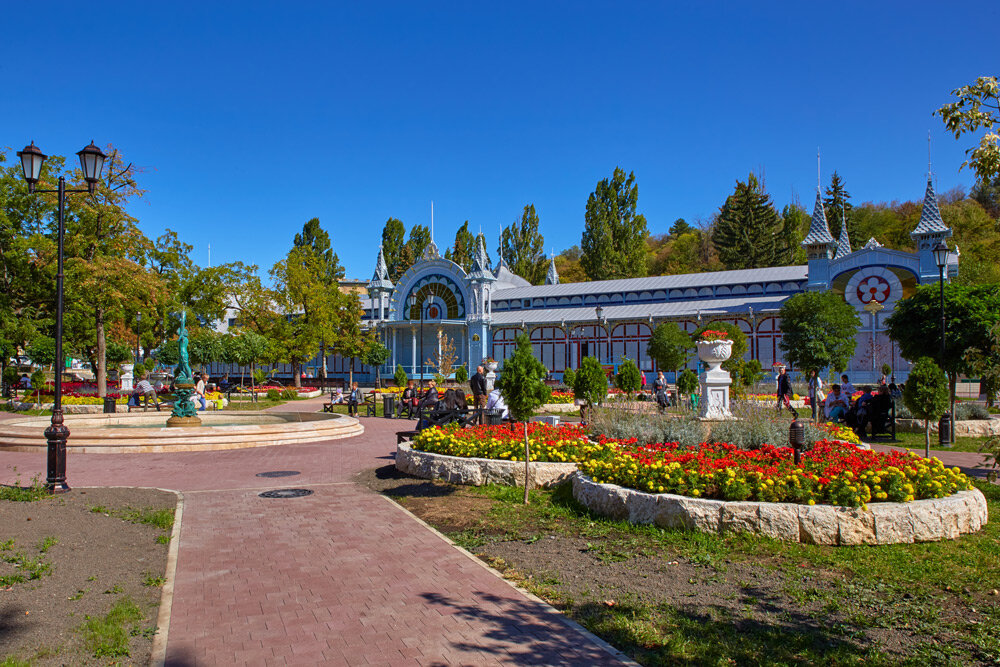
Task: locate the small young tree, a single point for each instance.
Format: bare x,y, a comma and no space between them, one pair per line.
444,358
591,384
117,353
818,331
400,376
886,370
687,383
248,348
628,378
569,377
461,374
522,385
37,382
376,354
670,347
926,395
42,351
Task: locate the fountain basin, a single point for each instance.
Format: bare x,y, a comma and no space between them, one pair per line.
146,432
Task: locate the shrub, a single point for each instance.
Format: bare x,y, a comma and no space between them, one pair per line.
569,377
461,374
273,394
400,376
965,411
926,395
687,382
591,384
287,394
628,378
886,370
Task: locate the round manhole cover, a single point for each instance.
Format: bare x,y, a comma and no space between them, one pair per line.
279,473
286,493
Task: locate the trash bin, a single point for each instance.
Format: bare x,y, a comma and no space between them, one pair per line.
109,405
494,417
388,406
944,430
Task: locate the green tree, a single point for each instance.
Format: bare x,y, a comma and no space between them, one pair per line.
985,362
970,312
591,383
42,351
748,230
393,245
614,238
569,377
628,378
349,339
687,382
925,394
464,248
522,385
794,227
679,227
375,354
977,108
420,238
987,194
818,331
304,308
523,247
117,353
670,347
837,203
316,240
246,348
206,347
400,376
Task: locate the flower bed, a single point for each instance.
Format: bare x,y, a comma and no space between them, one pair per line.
506,442
831,473
560,397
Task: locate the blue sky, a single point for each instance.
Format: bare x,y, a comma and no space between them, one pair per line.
253,117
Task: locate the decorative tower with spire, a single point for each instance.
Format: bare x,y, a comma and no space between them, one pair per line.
929,231
379,288
552,277
481,281
820,247
844,243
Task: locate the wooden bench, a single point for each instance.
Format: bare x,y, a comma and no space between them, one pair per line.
405,436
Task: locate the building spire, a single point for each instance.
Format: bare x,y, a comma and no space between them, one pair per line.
844,244
380,279
480,264
552,277
930,216
819,230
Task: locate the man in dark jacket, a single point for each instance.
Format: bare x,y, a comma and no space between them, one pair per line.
479,393
784,390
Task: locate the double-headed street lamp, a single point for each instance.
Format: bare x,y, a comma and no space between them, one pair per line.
941,259
92,164
413,304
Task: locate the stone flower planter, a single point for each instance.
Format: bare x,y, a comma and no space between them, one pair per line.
714,352
883,523
477,472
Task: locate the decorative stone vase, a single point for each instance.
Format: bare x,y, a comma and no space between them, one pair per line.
125,377
715,381
492,366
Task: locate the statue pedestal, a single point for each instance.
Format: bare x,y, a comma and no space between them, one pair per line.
184,412
126,377
715,381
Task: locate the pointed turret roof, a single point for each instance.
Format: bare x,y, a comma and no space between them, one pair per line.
872,243
380,279
844,244
552,277
480,264
819,230
431,251
930,217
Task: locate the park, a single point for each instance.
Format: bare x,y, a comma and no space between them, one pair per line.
770,435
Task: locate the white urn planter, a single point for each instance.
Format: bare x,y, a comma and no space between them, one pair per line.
126,377
715,381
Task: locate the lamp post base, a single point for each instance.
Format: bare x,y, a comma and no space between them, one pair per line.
56,436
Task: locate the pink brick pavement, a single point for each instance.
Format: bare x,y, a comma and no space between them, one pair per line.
341,577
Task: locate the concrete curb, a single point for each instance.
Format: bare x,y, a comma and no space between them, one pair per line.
476,472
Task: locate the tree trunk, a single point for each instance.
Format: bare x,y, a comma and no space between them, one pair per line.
253,381
350,372
102,364
927,438
297,372
527,461
322,367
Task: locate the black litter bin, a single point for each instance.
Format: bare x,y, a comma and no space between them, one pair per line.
494,417
109,405
388,406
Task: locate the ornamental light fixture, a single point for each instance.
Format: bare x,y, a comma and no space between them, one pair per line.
941,254
31,164
92,164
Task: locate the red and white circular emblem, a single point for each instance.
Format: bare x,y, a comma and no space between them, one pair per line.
873,288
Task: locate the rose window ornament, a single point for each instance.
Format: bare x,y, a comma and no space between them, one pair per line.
873,288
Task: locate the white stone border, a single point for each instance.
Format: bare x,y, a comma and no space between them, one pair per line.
883,523
975,428
477,472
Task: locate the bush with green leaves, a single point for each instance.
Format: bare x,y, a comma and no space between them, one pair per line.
38,380
569,377
926,395
288,394
628,378
687,382
670,347
42,351
971,411
886,370
591,383
461,374
400,376
273,395
10,376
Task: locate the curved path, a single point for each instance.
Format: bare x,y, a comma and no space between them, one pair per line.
341,577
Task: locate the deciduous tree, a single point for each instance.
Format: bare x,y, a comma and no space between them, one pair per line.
977,109
818,331
393,242
614,238
925,394
670,347
524,247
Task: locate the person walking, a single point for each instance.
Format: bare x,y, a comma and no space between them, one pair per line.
784,391
815,394
660,390
479,393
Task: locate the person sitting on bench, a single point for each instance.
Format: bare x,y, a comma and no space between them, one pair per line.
454,400
835,405
428,402
353,399
863,408
408,400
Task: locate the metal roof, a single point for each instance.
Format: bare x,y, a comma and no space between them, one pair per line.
712,278
819,230
708,308
930,216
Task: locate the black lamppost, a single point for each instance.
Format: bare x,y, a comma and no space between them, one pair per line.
413,304
941,259
92,163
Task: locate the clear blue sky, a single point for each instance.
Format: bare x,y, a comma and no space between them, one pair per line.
254,117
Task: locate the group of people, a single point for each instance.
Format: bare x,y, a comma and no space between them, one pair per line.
871,407
482,397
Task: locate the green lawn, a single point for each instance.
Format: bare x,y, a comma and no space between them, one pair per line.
916,441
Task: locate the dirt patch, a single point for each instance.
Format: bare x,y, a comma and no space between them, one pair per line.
86,561
634,592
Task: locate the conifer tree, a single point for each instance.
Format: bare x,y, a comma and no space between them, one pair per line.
837,203
748,231
524,247
614,238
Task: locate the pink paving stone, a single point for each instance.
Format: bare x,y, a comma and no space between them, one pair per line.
338,577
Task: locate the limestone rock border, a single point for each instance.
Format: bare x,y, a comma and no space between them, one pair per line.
975,428
883,523
477,472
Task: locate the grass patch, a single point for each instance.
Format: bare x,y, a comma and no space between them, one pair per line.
916,441
151,516
163,539
29,569
11,661
107,636
150,580
35,490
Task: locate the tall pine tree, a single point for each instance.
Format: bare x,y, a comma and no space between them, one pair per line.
748,231
524,247
614,238
464,249
392,247
837,203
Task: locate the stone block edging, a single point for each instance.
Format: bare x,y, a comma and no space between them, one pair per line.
477,472
928,520
975,428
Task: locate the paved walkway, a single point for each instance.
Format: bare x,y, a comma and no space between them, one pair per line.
341,577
